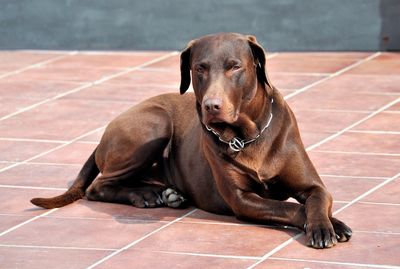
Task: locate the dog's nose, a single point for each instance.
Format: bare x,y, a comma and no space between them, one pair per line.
213,105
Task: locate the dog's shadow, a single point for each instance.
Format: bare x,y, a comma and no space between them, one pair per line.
130,215
127,214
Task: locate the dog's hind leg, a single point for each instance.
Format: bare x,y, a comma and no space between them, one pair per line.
107,189
147,194
130,158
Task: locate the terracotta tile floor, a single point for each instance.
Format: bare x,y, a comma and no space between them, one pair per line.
54,106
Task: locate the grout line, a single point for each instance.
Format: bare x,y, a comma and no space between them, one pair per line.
357,152
378,93
313,74
87,85
54,247
32,187
363,75
340,202
94,52
113,218
49,163
42,163
339,263
138,240
336,110
276,227
27,221
360,177
38,51
377,232
166,86
158,69
379,203
353,125
337,73
32,140
90,142
374,132
210,255
13,215
38,64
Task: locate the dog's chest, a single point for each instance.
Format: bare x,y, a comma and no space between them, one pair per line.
260,169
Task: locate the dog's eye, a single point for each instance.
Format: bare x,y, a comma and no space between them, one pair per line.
199,69
236,67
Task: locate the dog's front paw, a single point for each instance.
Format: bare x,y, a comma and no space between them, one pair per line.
173,199
320,234
343,232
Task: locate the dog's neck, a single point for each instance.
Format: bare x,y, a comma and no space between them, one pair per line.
254,118
255,114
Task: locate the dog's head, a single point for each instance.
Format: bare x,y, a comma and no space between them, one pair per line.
226,70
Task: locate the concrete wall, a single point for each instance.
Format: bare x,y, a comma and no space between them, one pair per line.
279,25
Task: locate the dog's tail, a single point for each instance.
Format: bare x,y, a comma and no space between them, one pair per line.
85,177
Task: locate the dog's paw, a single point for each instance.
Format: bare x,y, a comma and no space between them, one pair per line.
320,235
143,199
343,232
173,199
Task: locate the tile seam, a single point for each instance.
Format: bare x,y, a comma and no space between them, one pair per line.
358,177
6,186
210,255
374,132
38,64
338,263
55,247
358,153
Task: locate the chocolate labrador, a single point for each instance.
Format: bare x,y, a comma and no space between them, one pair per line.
232,147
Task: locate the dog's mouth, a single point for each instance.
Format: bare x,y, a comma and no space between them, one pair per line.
219,126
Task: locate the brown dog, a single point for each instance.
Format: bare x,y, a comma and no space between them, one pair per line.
232,147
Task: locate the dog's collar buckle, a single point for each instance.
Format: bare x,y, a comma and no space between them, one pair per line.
236,144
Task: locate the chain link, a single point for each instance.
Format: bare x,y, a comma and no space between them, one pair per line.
236,143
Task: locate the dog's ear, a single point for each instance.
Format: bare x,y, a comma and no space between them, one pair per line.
259,60
185,68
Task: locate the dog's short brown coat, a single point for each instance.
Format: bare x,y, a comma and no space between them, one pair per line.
163,145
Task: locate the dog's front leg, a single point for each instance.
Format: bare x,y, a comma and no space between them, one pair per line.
236,190
300,176
319,229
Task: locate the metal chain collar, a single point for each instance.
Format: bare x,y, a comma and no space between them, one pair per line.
236,143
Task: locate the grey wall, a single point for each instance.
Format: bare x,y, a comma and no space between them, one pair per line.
169,24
